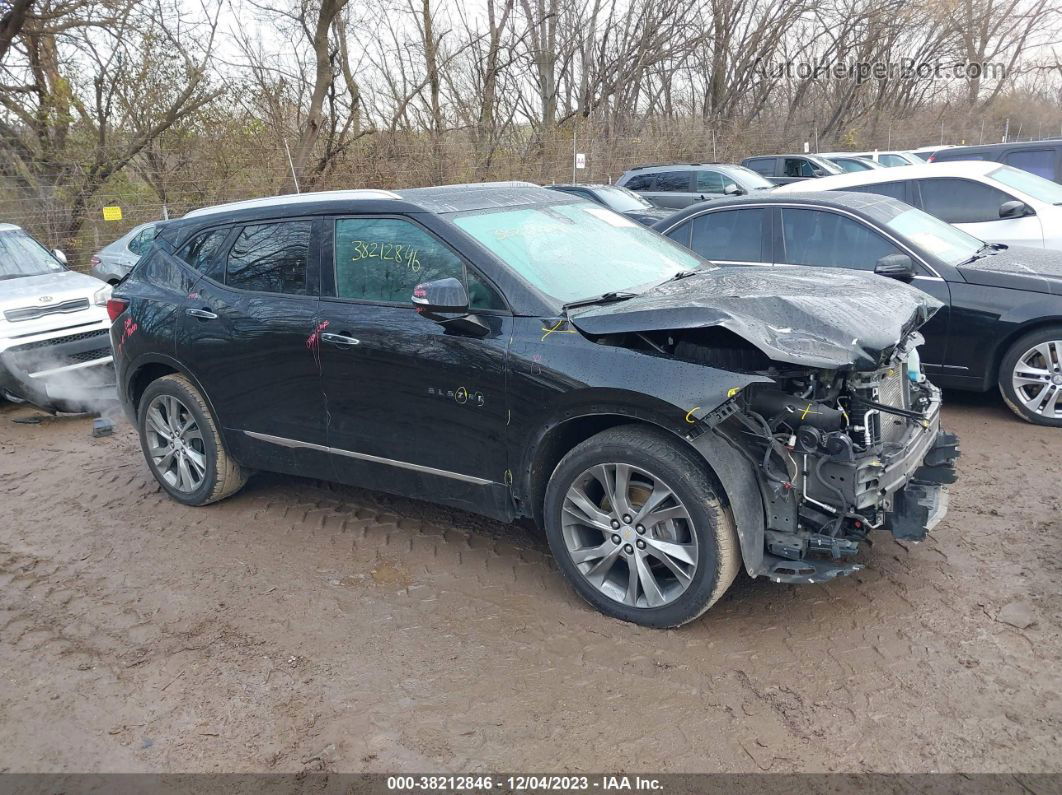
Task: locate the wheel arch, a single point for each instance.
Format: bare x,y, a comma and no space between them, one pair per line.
732,472
152,368
1012,336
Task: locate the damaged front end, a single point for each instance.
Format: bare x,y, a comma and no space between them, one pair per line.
839,454
839,426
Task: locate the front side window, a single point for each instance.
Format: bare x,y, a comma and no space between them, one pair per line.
577,250
270,258
710,182
21,255
961,201
730,235
798,167
673,181
383,259
825,239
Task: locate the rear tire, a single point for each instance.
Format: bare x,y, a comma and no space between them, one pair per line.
182,445
677,551
1030,377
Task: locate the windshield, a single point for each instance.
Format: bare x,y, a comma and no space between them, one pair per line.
826,165
940,239
750,179
21,255
578,250
622,200
1028,183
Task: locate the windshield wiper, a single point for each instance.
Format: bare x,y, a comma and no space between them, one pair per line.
604,298
680,275
979,254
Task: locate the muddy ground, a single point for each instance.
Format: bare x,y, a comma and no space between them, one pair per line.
301,625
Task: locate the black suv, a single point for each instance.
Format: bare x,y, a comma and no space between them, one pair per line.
519,353
1043,158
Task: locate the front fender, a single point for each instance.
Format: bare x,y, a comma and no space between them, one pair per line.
740,482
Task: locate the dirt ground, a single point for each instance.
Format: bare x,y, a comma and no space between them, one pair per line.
304,626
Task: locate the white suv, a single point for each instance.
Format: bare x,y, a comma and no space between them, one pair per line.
55,348
994,202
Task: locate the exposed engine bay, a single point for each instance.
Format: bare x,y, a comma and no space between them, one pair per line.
841,453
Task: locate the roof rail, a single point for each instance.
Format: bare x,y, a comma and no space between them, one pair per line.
662,165
294,198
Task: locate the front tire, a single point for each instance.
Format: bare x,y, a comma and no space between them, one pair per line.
638,528
182,445
1030,377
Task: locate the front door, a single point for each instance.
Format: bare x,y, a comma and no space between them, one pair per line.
244,337
413,408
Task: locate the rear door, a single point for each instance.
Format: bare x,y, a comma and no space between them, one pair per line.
672,189
412,406
244,335
822,238
974,207
728,237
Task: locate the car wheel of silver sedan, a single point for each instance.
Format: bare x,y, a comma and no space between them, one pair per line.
636,523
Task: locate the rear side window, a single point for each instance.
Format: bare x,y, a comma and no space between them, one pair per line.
383,259
1040,162
730,235
945,155
961,201
270,258
825,239
710,182
205,253
142,241
673,181
895,190
761,165
639,182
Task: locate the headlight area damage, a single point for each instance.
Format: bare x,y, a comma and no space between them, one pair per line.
840,429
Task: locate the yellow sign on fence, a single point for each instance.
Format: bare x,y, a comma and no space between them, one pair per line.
112,213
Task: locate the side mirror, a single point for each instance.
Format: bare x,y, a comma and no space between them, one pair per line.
896,266
445,301
1014,209
442,296
59,255
732,189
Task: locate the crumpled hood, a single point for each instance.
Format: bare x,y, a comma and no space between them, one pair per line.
1018,268
814,317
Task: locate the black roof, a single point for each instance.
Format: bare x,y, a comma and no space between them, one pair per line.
478,196
1010,145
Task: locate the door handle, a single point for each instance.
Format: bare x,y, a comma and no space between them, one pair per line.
202,314
339,339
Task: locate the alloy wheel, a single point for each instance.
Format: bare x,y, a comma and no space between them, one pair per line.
175,443
1037,379
629,535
